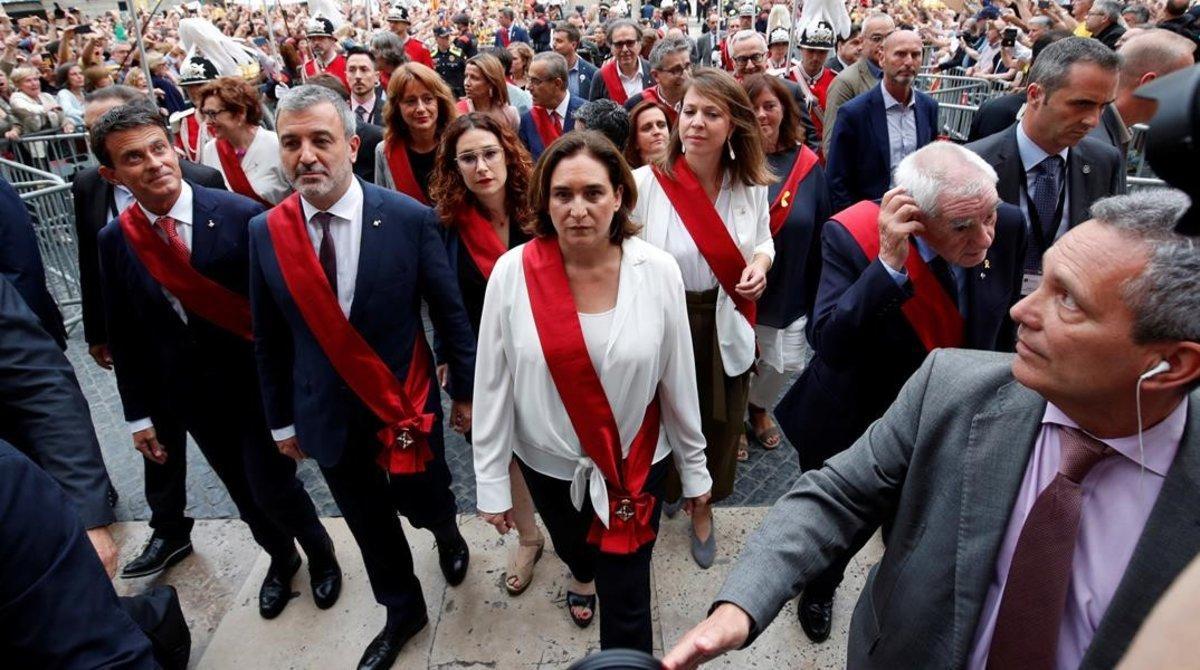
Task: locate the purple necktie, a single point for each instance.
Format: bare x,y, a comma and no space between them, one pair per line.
326,253
1035,594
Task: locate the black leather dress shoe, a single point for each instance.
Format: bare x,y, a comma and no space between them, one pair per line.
383,650
816,616
276,588
159,554
453,557
325,575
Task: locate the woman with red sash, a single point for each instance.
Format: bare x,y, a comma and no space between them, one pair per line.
799,207
649,130
584,373
419,107
480,183
246,154
706,204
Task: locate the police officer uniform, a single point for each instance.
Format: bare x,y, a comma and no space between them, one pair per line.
450,63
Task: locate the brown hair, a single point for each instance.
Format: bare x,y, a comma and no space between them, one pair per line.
492,72
633,155
791,133
603,151
524,51
447,188
409,73
92,77
750,166
235,95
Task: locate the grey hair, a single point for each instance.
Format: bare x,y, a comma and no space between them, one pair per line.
1052,67
1141,13
743,35
556,64
386,46
620,23
667,46
303,97
606,117
119,92
1110,8
943,168
1043,21
1164,300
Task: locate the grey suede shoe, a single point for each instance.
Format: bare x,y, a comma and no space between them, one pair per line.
705,552
672,508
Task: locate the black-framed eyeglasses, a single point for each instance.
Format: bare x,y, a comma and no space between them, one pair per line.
749,58
679,70
625,44
212,114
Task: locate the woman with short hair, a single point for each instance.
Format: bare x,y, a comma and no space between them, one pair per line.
487,91
35,109
584,374
419,107
246,154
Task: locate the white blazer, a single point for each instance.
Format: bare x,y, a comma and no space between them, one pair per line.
517,407
261,164
751,228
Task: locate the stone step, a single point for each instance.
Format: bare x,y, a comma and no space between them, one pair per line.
476,624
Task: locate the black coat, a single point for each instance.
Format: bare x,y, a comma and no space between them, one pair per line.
21,263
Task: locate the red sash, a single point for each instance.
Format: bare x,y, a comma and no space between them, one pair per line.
188,138
652,95
782,207
232,167
405,435
608,72
480,239
545,125
930,312
708,231
402,174
630,509
198,294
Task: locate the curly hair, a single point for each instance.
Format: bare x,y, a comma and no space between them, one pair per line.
236,96
632,154
791,132
410,73
450,192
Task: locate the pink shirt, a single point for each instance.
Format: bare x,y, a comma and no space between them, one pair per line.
1117,500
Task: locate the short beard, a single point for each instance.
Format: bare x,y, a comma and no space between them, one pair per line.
316,191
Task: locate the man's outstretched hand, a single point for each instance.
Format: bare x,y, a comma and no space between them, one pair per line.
725,629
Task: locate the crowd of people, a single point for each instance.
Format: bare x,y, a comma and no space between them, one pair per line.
646,244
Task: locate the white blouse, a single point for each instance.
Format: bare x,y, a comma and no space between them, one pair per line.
261,164
746,213
648,349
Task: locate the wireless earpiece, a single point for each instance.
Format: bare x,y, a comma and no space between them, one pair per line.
1162,367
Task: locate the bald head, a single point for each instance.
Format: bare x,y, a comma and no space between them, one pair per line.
1145,57
900,57
874,31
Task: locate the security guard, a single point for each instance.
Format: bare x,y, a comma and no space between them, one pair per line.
449,61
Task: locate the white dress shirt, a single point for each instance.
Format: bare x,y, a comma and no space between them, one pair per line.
181,211
648,349
632,84
346,229
1031,155
122,198
747,216
261,164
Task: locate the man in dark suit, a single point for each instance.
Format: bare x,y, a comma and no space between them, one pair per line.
1027,526
369,135
96,203
1001,112
553,111
21,263
869,327
174,274
1046,159
847,51
367,97
859,77
580,73
627,73
1104,22
356,406
508,32
876,130
709,44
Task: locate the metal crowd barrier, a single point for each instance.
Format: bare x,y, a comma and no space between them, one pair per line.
48,199
959,90
58,154
1140,174
954,121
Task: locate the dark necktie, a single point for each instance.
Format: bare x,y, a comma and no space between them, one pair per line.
173,239
326,253
1035,594
362,113
945,277
1047,177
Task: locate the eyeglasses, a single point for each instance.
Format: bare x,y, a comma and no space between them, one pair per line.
625,44
751,58
678,70
878,38
535,81
212,114
490,155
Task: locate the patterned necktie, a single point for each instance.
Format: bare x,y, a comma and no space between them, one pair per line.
326,253
1035,594
1046,187
173,239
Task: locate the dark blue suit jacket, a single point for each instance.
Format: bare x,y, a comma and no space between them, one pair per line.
58,608
528,131
160,360
587,74
519,34
21,262
859,163
865,347
402,262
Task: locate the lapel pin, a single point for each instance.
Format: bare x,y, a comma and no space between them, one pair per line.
987,264
1087,169
212,224
375,223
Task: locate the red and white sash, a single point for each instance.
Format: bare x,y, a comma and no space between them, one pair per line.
231,165
931,313
402,174
630,509
708,231
616,91
544,123
401,407
480,239
197,293
782,207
